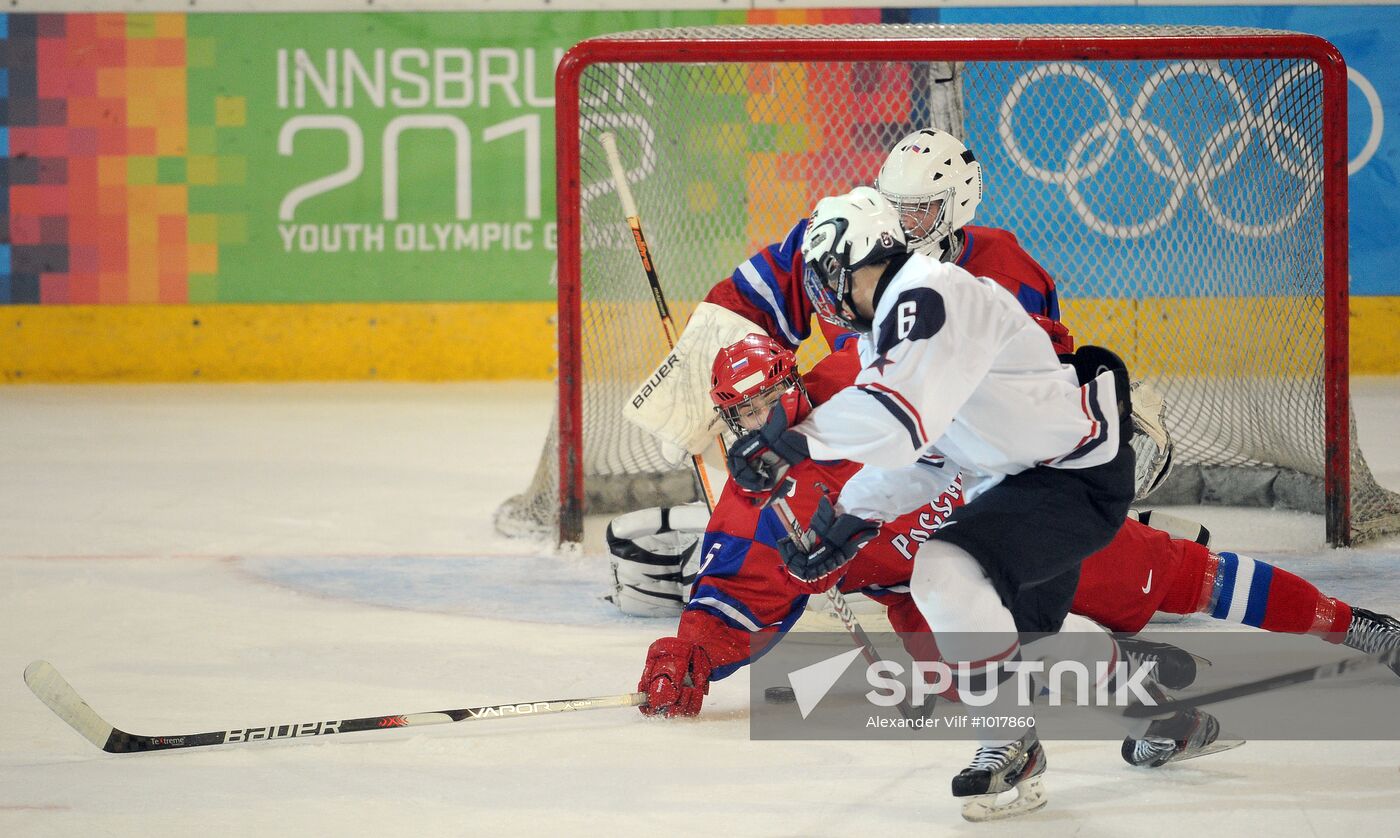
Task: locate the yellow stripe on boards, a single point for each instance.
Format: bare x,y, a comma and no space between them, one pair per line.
1375,335
1235,336
225,342
498,340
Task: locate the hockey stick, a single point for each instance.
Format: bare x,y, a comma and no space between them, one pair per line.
64,701
1346,666
629,208
836,598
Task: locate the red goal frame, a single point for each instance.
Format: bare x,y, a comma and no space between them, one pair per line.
1248,44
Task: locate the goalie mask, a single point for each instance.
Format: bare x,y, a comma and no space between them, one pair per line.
935,184
847,232
749,377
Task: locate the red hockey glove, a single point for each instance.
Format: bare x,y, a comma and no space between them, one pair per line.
838,537
1059,333
760,458
676,678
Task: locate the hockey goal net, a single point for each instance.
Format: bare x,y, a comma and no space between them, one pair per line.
1186,186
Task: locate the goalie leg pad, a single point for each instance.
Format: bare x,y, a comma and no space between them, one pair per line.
654,558
1151,442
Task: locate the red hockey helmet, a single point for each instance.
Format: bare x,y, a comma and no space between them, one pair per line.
748,378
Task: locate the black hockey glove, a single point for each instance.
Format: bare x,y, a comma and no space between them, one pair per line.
837,538
760,458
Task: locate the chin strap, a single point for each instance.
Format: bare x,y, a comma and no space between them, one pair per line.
953,246
947,249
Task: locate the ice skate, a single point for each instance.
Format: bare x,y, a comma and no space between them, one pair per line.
1371,633
1186,734
1016,767
1174,667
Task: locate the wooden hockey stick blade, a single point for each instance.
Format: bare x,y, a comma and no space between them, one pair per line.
1273,682
64,701
51,688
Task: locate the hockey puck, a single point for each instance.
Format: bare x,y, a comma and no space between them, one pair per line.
779,695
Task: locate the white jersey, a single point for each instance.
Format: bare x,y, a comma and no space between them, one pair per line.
956,378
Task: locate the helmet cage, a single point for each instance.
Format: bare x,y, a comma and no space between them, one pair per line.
935,225
733,411
926,166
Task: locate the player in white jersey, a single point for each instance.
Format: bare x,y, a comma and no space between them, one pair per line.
955,379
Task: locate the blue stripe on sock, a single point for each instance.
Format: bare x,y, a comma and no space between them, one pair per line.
1259,594
1224,585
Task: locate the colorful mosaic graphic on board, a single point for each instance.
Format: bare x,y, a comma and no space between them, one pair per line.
99,160
803,140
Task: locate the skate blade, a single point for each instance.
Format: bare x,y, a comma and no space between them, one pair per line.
1213,748
1030,796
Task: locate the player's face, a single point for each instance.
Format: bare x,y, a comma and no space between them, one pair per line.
863,283
754,412
920,220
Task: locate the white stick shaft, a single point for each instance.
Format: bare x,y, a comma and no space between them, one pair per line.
794,529
624,191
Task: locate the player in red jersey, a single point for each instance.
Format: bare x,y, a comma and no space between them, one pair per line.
742,587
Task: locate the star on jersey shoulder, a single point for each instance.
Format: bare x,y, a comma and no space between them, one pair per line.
880,363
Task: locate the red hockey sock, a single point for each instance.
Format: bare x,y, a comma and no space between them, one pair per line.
1243,590
1296,606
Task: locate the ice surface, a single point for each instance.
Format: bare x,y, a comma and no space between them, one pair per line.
196,557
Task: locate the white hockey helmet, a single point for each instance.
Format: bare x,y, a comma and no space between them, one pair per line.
935,184
847,232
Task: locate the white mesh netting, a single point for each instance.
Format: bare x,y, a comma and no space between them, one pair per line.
1178,203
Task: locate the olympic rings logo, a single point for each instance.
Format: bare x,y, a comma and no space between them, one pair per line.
1092,151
